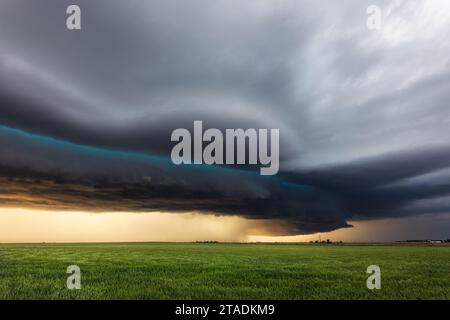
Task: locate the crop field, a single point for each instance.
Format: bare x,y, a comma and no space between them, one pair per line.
223,271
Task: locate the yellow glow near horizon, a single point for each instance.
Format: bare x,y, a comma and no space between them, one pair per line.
27,225
24,225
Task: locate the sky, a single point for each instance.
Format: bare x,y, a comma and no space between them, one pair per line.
86,118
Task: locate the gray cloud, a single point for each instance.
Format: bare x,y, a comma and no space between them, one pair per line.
362,115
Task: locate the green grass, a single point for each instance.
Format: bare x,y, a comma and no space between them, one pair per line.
222,271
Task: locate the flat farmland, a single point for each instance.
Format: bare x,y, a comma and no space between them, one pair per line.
223,271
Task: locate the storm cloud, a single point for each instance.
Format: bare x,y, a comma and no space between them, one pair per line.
86,116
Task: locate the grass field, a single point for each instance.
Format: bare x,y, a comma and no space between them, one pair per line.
222,271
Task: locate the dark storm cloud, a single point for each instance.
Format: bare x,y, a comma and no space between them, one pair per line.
86,116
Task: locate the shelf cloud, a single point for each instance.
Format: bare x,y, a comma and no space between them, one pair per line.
86,116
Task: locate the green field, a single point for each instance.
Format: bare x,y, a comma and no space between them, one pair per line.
222,271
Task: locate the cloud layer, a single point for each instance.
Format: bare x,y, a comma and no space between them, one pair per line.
86,116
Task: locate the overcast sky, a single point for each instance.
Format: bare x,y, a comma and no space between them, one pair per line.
86,116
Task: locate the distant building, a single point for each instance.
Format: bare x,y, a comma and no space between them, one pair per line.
427,241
